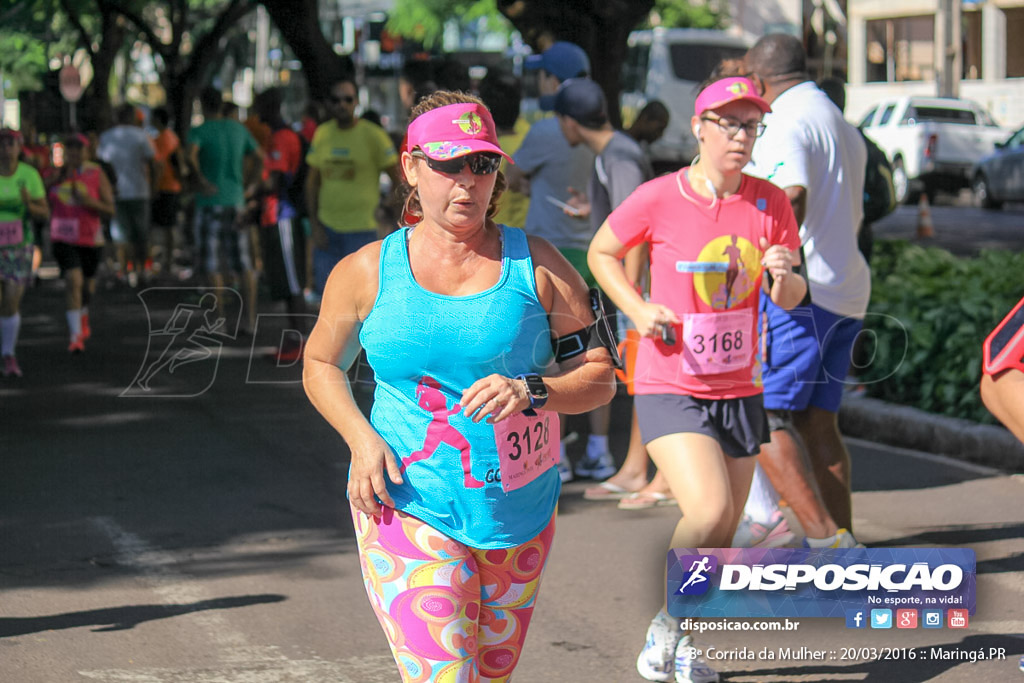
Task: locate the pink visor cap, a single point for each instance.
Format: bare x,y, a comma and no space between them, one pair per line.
726,90
453,131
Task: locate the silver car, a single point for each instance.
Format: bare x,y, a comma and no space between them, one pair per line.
999,177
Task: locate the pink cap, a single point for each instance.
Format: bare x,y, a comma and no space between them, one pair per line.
453,131
728,90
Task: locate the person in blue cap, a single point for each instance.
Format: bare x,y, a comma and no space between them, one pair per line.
547,169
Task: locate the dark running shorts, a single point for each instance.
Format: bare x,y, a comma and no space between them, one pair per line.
738,424
70,256
165,210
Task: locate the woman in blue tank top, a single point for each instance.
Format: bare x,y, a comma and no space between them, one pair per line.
452,485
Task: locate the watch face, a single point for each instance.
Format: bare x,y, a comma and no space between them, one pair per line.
536,387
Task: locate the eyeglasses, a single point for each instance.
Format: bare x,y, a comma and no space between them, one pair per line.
480,163
347,99
731,127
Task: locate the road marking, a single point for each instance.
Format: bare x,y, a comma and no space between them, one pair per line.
244,662
374,669
156,569
929,457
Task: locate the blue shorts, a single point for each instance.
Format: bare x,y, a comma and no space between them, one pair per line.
339,245
807,355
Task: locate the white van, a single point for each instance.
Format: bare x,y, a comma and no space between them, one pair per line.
669,65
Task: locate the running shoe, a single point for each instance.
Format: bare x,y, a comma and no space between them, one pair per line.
11,368
774,533
691,667
77,345
596,466
86,330
657,661
842,539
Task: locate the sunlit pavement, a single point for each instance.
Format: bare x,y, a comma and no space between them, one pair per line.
198,533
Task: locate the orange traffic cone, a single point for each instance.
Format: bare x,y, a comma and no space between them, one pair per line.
925,228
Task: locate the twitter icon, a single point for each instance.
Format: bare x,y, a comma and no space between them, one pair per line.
881,618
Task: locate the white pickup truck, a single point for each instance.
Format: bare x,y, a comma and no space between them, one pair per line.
932,142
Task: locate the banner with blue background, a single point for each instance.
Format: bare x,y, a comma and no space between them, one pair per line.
810,582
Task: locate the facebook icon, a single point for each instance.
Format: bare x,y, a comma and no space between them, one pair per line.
855,618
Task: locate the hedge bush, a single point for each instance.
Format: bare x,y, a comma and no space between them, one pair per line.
930,312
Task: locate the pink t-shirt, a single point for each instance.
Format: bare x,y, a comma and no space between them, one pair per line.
706,266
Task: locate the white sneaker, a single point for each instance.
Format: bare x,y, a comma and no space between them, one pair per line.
842,539
564,470
690,667
657,661
596,466
774,533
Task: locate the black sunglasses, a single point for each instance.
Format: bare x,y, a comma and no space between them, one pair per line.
480,163
347,99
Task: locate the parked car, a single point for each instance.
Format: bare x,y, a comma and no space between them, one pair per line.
932,142
999,176
669,65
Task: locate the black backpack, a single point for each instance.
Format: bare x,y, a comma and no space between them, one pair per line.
879,193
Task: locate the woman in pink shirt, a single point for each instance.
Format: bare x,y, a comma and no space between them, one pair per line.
713,232
79,194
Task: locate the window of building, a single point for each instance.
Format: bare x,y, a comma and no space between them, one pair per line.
972,45
901,49
1014,47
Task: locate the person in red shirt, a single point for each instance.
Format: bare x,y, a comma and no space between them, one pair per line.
281,234
713,232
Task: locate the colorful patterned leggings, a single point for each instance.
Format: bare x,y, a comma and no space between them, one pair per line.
451,613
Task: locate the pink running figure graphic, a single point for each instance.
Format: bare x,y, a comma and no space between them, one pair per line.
440,431
735,263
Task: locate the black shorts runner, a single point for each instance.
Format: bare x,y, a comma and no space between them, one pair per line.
71,256
740,425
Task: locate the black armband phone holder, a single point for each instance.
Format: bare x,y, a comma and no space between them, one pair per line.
596,334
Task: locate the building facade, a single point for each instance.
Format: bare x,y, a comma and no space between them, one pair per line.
897,47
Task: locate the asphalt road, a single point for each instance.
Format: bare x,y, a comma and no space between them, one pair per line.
197,532
959,227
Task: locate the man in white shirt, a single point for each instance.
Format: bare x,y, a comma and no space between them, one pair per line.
812,153
129,150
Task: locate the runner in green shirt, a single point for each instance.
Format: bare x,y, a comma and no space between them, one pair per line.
21,195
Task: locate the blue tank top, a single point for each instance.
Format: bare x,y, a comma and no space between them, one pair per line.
426,349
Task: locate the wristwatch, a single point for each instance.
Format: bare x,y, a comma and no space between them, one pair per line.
536,391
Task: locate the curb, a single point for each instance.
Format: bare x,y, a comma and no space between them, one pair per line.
896,425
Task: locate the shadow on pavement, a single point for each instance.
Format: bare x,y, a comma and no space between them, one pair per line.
124,618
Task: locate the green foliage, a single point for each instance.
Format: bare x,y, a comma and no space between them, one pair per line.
686,14
929,313
424,20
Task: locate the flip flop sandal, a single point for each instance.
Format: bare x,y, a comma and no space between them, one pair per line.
606,491
645,500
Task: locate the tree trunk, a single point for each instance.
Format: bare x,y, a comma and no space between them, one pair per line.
299,24
600,27
100,112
